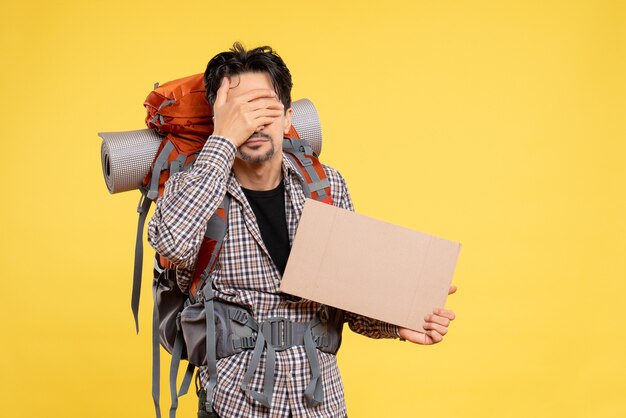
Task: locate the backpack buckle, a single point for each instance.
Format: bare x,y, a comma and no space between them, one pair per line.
144,203
279,332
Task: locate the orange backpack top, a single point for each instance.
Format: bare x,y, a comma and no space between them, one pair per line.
179,111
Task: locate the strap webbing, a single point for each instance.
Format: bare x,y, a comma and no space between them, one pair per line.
142,209
156,349
211,246
177,352
303,157
184,386
264,398
177,164
314,393
144,206
160,163
210,344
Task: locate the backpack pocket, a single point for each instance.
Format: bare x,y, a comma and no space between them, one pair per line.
193,324
169,303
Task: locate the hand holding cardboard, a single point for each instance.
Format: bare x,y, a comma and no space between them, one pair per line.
369,267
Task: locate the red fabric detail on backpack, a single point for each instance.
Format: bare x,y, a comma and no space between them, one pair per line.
322,175
165,263
204,256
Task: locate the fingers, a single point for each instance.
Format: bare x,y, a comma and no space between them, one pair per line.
415,337
436,325
256,94
264,103
433,337
237,116
452,289
222,93
437,319
445,313
433,326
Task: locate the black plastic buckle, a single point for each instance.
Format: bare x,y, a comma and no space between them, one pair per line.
280,332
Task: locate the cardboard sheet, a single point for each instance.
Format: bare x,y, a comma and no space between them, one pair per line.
369,267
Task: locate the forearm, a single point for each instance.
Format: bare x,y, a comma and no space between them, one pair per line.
190,198
369,327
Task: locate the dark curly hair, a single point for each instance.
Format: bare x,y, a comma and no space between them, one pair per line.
238,60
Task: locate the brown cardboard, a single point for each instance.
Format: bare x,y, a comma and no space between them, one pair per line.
369,267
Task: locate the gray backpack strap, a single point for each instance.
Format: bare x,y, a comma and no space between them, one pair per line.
142,209
264,398
177,164
146,199
299,151
176,350
156,349
177,354
314,393
210,343
216,230
160,164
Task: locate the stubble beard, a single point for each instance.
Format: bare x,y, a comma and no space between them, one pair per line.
244,156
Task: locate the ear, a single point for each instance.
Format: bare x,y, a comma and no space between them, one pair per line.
287,125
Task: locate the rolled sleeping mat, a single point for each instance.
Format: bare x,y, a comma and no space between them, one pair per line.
127,156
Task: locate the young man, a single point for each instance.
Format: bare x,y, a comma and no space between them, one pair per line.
249,92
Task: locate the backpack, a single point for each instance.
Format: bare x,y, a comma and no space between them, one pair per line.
178,111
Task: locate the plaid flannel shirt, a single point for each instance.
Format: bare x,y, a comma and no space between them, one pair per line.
246,275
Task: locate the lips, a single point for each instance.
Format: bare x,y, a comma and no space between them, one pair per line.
256,141
258,138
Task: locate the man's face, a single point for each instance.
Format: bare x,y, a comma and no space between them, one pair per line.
266,143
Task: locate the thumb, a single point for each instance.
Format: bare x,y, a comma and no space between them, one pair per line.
222,93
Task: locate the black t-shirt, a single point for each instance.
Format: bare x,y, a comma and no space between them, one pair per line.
269,209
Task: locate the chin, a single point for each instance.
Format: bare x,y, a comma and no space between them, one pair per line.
258,155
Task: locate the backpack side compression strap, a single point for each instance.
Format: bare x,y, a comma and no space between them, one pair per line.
147,196
315,185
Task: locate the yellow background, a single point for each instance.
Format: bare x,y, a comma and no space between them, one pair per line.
494,123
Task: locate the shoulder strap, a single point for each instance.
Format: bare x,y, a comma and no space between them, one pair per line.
315,185
211,245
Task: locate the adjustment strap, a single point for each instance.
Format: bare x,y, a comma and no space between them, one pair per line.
243,317
156,352
177,164
210,344
177,352
159,165
142,209
264,398
313,394
299,151
211,244
184,386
